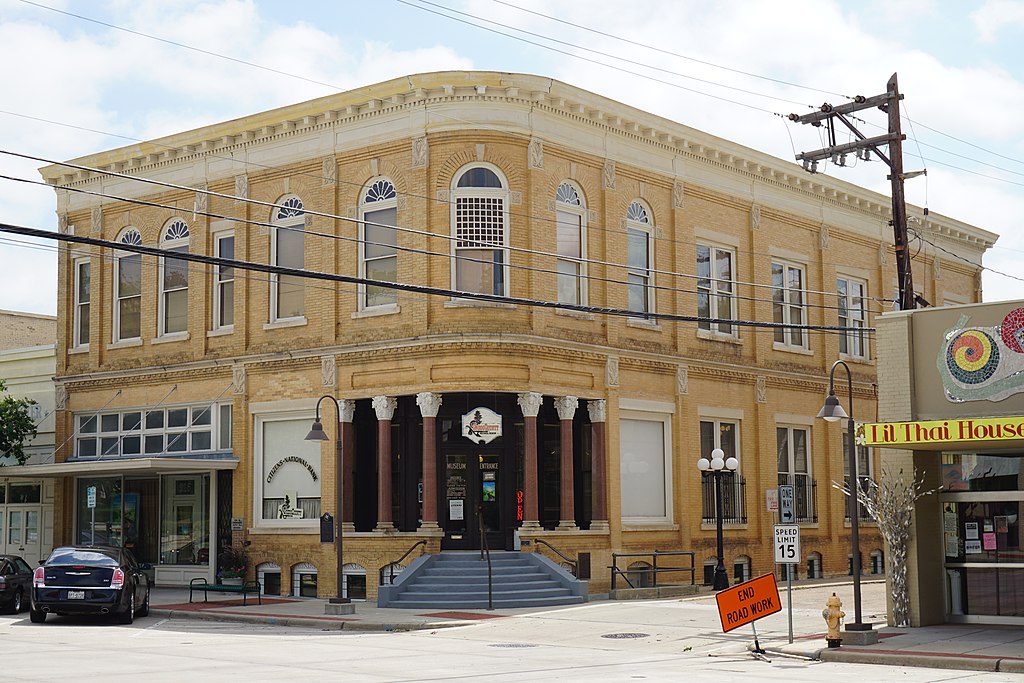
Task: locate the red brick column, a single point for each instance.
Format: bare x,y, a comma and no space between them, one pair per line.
598,470
429,404
530,403
566,407
384,406
347,415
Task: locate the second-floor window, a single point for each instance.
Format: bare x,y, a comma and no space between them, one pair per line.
288,250
378,256
223,282
865,469
480,222
794,450
716,288
128,289
639,234
82,303
174,279
788,303
851,296
722,434
570,224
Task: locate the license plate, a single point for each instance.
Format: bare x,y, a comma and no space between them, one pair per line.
76,595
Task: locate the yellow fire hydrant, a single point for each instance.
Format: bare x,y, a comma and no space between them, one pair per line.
833,614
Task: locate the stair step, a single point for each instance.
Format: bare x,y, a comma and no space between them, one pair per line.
482,604
498,580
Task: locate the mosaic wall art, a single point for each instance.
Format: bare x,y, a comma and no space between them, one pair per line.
983,363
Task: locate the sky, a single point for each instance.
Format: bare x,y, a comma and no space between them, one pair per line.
82,77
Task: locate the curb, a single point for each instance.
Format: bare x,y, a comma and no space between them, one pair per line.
300,622
934,661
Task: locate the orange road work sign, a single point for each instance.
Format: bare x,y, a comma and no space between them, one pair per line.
748,601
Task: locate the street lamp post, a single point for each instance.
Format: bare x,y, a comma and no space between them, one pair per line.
715,468
833,411
316,433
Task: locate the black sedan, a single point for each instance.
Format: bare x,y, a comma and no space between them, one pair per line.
90,580
15,583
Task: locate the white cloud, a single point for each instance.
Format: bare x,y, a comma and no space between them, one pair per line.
995,15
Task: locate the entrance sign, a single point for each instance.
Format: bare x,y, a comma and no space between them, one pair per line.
787,499
481,425
787,544
771,497
747,602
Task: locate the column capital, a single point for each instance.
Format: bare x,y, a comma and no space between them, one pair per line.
598,410
566,406
530,403
429,403
346,410
385,406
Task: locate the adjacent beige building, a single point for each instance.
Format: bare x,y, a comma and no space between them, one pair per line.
569,335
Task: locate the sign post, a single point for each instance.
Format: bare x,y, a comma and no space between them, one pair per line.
787,552
90,502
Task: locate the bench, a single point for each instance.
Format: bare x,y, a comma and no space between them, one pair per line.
201,584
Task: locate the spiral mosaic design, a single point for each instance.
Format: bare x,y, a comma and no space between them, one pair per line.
1012,330
972,357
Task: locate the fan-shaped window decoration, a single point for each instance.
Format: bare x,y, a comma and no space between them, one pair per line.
177,230
131,236
380,191
637,213
290,208
269,575
567,194
480,177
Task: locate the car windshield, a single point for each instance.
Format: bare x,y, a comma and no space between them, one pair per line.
94,558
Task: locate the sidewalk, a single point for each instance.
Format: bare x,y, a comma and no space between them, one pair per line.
967,646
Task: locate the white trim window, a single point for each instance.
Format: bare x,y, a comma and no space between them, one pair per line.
173,430
80,331
794,451
287,471
851,299
378,246
287,250
174,279
724,434
865,472
480,252
640,253
128,289
224,282
571,242
645,446
716,289
789,306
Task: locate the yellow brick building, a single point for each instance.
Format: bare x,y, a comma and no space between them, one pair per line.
567,405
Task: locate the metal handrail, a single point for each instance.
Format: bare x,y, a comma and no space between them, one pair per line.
655,569
484,550
391,565
573,563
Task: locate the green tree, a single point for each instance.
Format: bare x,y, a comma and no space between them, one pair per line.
16,427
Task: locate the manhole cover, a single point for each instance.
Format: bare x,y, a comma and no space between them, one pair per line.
511,645
626,635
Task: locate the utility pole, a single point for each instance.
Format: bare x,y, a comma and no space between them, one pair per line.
862,148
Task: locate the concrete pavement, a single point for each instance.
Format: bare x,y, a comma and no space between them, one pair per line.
686,624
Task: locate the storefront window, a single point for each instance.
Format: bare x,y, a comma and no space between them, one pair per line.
100,525
185,520
971,472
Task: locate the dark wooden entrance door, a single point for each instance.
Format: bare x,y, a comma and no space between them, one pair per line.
474,480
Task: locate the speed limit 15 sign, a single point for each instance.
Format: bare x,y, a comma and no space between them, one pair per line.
787,544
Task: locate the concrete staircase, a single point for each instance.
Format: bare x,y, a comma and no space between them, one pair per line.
458,580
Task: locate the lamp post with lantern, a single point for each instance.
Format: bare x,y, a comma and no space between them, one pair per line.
716,467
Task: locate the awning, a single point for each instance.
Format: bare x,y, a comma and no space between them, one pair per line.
115,466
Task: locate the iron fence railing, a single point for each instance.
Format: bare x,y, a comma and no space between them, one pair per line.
733,494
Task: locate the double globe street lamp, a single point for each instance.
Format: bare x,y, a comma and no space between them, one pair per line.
716,467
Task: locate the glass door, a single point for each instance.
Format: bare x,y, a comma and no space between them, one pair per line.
458,527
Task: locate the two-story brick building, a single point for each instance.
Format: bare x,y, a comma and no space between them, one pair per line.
621,255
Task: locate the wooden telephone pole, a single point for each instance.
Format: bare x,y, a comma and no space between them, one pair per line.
862,148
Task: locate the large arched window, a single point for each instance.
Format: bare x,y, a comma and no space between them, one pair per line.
174,279
640,235
571,238
287,250
378,257
480,227
128,289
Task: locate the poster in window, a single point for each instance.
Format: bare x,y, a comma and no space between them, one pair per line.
971,531
988,540
183,520
290,509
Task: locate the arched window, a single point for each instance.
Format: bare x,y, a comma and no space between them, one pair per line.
378,256
877,562
390,573
304,580
640,236
174,279
480,227
710,564
741,568
640,575
269,576
354,581
128,289
571,226
288,247
814,566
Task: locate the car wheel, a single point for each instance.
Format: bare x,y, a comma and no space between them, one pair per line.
37,617
144,610
128,616
16,603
